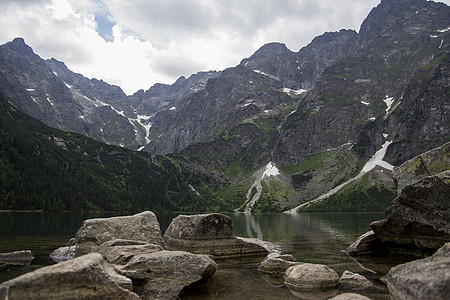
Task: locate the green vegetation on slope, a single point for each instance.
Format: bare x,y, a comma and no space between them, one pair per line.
42,168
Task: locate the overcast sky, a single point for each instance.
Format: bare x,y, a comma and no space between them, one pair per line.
137,43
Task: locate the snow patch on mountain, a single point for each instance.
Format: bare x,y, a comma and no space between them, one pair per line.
294,92
375,160
389,101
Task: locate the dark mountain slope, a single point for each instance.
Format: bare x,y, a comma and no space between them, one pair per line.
47,169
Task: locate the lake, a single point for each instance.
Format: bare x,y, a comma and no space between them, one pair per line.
313,237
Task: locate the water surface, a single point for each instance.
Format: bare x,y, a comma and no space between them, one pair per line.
313,237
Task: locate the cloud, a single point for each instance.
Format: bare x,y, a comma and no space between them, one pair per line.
137,43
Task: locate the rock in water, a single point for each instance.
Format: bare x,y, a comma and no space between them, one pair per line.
140,227
85,277
349,296
19,258
63,254
366,244
354,281
210,234
305,279
418,221
427,278
165,274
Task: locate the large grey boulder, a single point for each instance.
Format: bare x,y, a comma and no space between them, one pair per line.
85,277
20,258
418,220
427,278
140,227
210,234
165,274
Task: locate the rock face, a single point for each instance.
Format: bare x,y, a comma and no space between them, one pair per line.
418,222
164,274
427,278
85,277
429,163
210,234
20,258
140,227
354,281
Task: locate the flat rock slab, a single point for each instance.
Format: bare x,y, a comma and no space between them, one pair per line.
85,277
211,234
120,252
427,278
165,274
19,258
140,227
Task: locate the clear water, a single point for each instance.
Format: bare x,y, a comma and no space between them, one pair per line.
314,238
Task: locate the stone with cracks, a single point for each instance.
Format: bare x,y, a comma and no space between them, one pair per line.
428,278
140,227
85,277
165,274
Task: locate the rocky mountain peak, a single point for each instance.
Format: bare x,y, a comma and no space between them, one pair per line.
19,45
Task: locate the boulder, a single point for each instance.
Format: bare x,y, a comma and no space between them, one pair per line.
273,268
210,234
85,277
63,254
140,227
19,258
349,296
418,223
428,278
165,274
429,163
354,281
120,252
311,276
366,244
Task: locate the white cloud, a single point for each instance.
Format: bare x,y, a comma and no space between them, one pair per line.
137,43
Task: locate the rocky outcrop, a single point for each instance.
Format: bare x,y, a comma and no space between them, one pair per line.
366,244
306,278
140,227
19,258
417,222
427,278
354,281
84,277
165,274
429,163
210,234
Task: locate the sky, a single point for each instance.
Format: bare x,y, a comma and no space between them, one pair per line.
137,43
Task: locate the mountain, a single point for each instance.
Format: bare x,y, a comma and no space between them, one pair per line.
48,169
282,127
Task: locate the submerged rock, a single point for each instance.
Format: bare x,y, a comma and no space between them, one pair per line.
427,278
210,234
140,227
165,274
418,220
84,277
354,281
18,258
